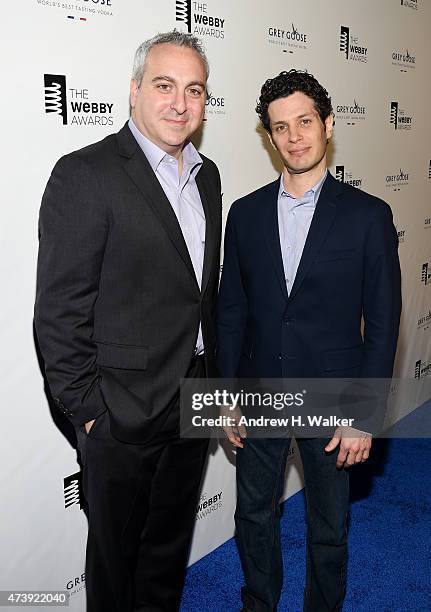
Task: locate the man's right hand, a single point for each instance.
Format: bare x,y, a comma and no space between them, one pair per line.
234,432
88,425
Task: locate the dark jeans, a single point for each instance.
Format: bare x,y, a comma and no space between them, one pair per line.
260,481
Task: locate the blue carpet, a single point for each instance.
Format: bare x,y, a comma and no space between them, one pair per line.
389,540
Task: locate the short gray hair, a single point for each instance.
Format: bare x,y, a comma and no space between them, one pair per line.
180,39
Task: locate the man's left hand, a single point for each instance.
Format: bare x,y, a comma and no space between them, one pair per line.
355,446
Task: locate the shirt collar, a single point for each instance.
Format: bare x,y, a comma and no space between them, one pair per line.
156,155
311,195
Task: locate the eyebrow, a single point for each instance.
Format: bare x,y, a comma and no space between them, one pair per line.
284,122
172,80
281,122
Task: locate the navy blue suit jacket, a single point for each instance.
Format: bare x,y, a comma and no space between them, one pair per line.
349,270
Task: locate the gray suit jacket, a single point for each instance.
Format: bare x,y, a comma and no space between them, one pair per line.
118,305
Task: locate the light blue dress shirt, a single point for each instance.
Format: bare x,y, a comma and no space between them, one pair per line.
183,195
294,220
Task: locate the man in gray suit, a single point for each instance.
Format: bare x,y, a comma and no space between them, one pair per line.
127,278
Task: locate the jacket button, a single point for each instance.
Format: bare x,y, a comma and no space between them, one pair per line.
280,357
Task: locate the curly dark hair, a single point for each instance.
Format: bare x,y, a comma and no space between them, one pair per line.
287,83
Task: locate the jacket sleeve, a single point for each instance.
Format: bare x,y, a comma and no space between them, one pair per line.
73,228
381,296
381,310
232,307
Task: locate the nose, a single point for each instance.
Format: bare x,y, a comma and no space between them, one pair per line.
179,103
294,134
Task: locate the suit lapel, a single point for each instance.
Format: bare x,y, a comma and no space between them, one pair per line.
272,234
141,173
210,225
323,218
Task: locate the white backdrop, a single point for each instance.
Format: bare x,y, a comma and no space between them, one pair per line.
373,57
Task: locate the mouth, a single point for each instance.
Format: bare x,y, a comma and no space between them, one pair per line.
177,122
299,152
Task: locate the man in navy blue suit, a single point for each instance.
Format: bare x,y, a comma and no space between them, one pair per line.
307,259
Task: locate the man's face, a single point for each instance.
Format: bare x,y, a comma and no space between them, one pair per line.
298,134
168,106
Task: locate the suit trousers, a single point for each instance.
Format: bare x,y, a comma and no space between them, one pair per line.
260,483
142,501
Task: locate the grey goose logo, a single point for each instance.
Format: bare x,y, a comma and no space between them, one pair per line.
425,321
397,180
55,95
295,31
405,61
402,176
290,40
295,35
412,4
214,106
356,108
213,101
350,114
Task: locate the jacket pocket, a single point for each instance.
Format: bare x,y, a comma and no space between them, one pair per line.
342,359
122,356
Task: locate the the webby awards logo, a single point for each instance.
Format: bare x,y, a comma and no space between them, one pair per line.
346,176
208,504
72,490
74,105
55,95
351,46
422,368
426,273
400,118
199,19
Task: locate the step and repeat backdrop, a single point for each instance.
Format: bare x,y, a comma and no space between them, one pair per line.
65,71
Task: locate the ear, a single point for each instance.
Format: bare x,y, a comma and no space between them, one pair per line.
271,141
329,126
134,88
